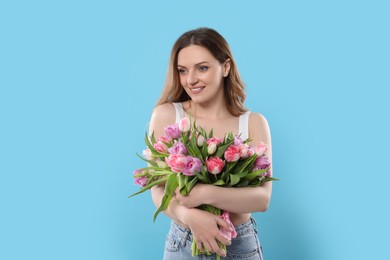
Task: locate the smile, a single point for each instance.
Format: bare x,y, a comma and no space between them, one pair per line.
196,90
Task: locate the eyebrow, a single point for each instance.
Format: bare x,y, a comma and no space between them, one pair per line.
197,64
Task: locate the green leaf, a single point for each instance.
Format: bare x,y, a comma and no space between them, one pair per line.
204,151
153,140
243,183
150,185
181,181
171,184
248,163
230,165
163,206
184,137
190,185
153,163
191,151
211,133
234,179
148,144
255,182
241,174
194,147
221,150
247,141
170,187
219,183
224,175
252,175
200,176
267,179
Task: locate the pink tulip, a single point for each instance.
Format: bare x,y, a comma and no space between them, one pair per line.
214,165
164,139
237,140
147,154
184,125
228,234
246,151
232,154
177,162
214,140
200,140
140,180
161,164
261,149
160,147
211,148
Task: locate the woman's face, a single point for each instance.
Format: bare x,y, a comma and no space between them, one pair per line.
201,74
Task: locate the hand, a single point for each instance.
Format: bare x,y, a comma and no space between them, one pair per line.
194,198
205,229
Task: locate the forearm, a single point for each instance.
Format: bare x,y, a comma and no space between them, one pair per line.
239,200
175,211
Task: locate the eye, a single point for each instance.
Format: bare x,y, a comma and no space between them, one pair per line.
182,71
203,68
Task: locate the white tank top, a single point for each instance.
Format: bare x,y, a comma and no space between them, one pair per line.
243,121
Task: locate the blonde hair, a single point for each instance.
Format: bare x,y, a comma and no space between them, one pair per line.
219,48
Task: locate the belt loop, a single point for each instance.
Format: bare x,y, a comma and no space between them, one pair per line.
255,227
183,238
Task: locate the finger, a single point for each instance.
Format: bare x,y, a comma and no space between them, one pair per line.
208,247
199,244
178,196
224,224
223,240
216,248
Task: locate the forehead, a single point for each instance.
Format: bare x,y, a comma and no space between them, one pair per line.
194,54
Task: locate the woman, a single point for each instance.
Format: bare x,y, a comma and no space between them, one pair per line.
203,84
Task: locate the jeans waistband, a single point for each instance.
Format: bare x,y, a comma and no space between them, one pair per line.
249,226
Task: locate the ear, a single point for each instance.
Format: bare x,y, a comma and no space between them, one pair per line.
226,67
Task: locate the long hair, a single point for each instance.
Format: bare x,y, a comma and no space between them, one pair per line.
219,48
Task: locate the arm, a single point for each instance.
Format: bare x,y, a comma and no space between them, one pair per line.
237,200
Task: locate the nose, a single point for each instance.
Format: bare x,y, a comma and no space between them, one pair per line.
192,78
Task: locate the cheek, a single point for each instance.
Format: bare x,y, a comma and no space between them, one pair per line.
207,78
215,77
183,80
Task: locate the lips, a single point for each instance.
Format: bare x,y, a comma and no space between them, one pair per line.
196,90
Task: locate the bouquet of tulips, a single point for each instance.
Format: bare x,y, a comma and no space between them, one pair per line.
187,155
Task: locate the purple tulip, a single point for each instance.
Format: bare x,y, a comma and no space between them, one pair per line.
192,166
172,131
139,179
178,148
262,163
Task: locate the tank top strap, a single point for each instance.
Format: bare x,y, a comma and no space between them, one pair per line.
179,111
243,125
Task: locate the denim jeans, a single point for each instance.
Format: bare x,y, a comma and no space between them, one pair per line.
245,246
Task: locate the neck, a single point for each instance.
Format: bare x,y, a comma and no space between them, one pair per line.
213,110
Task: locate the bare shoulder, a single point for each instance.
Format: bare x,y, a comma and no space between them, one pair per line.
257,119
162,116
165,112
258,128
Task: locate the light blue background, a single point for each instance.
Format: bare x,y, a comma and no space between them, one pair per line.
79,80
